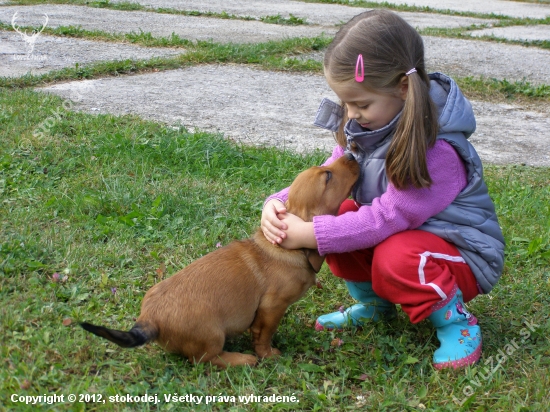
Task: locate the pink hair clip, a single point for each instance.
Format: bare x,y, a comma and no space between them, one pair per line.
359,77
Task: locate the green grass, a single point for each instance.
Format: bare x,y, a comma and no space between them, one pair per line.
487,89
99,208
292,20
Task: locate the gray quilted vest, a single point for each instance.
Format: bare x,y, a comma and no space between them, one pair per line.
470,221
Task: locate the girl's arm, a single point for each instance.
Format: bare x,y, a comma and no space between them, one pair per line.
396,210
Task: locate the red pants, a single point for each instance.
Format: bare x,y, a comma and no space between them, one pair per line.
415,269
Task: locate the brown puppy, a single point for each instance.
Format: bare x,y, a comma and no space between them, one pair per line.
246,284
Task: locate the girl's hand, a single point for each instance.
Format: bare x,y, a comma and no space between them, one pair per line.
271,225
299,234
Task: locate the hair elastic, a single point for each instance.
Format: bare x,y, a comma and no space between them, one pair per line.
359,77
413,70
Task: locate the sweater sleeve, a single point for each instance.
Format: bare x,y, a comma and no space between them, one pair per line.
396,210
283,194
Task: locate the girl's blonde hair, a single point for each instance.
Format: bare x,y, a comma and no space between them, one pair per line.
390,48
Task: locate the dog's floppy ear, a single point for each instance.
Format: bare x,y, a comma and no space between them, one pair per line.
304,193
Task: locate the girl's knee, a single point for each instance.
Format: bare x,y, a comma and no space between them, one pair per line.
403,251
395,256
348,205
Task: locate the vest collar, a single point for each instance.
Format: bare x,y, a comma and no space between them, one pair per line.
368,140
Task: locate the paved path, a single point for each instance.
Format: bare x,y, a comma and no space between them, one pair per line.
54,53
255,108
517,33
500,7
318,12
162,25
274,108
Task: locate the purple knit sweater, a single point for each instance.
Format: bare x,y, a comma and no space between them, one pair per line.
394,211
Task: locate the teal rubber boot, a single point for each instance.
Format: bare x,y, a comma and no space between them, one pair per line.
372,307
458,333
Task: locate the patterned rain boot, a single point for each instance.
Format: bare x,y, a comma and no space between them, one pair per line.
371,307
458,333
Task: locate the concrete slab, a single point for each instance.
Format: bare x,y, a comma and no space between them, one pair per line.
500,7
509,134
313,13
159,25
52,53
248,105
277,109
487,59
540,32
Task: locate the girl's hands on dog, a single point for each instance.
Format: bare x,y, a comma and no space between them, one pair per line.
286,229
271,225
299,234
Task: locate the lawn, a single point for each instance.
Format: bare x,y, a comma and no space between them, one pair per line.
97,209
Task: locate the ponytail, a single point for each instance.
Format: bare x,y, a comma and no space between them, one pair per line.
415,132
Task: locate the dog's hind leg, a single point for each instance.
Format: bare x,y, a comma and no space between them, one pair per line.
212,351
225,359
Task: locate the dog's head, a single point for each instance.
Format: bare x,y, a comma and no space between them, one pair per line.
320,190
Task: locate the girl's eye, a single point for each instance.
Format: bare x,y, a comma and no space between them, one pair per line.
363,107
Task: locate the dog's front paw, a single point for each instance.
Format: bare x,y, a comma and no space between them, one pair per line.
268,352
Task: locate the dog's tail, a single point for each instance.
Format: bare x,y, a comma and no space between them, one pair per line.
137,336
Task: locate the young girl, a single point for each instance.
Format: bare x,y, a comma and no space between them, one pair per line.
421,231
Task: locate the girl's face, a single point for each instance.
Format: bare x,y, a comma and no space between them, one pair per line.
371,110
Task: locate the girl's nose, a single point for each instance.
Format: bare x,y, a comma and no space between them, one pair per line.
353,113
